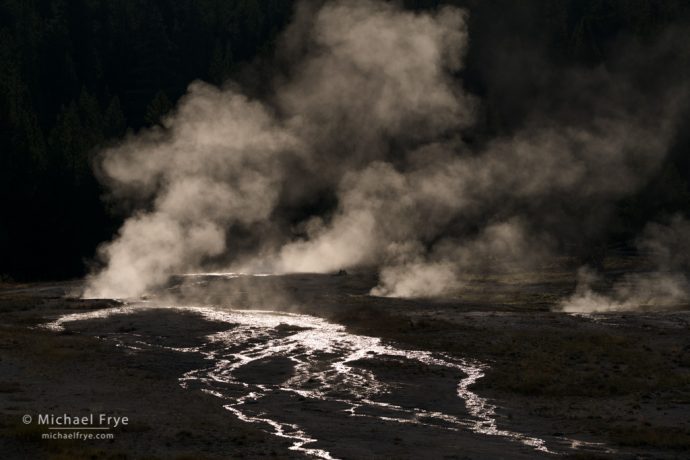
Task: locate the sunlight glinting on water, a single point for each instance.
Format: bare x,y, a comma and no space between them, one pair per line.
324,357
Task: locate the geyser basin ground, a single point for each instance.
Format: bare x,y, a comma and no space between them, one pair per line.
310,381
359,375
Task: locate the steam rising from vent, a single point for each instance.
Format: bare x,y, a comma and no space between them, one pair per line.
664,288
216,164
371,112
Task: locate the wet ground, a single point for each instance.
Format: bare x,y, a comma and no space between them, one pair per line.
330,392
333,373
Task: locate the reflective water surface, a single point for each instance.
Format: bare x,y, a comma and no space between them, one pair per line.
275,368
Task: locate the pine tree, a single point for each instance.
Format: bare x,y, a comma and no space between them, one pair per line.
114,122
67,144
157,108
221,64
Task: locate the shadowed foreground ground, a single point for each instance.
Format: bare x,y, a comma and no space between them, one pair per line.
619,381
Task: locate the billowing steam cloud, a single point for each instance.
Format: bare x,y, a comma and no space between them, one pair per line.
371,74
371,112
217,163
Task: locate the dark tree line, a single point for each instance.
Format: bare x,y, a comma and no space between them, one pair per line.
77,74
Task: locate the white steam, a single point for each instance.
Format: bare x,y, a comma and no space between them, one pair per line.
372,112
668,248
216,164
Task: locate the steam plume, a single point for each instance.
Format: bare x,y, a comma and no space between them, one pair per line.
663,288
371,112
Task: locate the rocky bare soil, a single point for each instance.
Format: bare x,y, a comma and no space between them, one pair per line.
591,386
